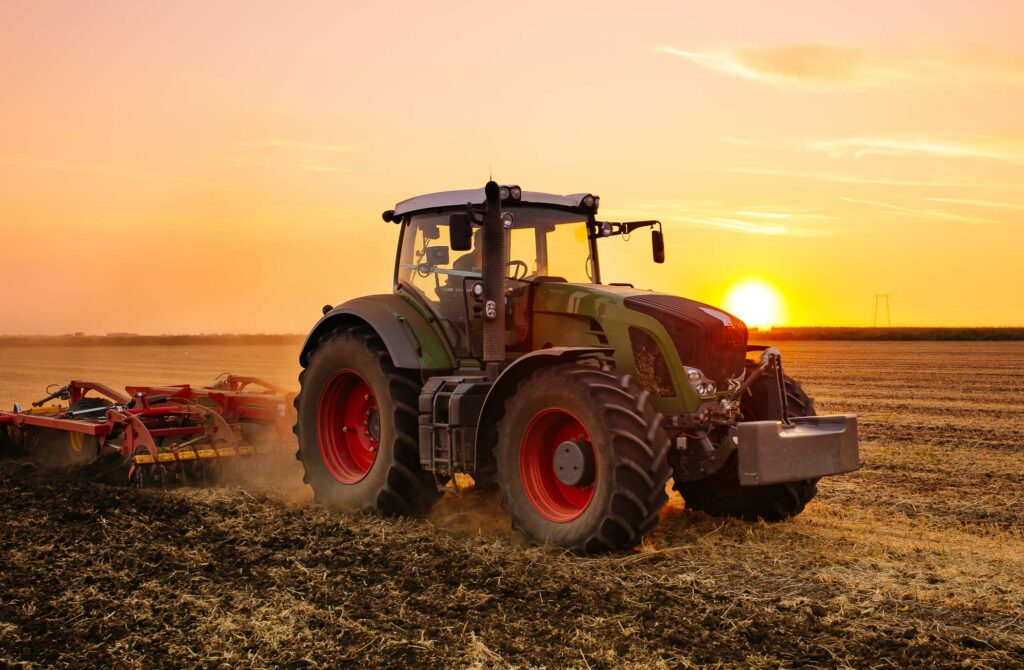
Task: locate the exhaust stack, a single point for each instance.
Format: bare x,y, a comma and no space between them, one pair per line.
494,271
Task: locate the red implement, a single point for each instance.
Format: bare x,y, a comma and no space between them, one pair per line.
173,425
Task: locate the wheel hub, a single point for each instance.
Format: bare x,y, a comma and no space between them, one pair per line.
553,438
348,426
574,463
373,427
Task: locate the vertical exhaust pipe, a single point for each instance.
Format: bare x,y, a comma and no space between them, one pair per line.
494,270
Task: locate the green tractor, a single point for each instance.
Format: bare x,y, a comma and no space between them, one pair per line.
502,355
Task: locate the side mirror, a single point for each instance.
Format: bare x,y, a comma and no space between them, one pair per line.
461,231
437,256
658,246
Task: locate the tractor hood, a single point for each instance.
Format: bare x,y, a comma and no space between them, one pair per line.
703,336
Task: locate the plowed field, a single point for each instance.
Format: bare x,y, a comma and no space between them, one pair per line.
916,560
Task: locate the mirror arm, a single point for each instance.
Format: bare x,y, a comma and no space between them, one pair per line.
617,228
474,217
633,225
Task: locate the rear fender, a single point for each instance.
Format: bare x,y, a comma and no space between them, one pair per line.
409,338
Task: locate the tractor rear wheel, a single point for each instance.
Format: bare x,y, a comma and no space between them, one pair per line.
722,495
582,460
357,428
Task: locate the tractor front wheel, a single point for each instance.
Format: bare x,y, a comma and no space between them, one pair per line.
357,428
581,459
722,495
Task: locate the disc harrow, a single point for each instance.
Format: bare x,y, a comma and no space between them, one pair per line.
162,435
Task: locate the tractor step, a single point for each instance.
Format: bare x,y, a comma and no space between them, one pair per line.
449,409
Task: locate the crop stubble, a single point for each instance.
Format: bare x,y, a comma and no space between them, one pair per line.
918,559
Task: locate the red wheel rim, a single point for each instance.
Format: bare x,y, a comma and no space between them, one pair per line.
348,426
551,497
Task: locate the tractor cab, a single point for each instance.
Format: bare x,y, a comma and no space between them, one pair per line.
547,238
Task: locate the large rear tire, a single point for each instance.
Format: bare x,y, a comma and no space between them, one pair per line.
722,495
613,444
357,428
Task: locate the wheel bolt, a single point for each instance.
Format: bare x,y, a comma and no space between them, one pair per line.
344,429
366,397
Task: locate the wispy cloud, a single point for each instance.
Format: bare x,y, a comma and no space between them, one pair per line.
887,147
312,147
830,65
840,178
104,170
937,148
979,203
783,215
313,167
1000,148
738,225
752,220
306,164
920,212
765,215
75,166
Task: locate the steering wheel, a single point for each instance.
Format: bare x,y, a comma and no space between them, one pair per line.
517,265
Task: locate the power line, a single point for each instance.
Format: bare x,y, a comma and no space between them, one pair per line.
879,299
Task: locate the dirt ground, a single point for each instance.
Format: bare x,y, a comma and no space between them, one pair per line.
915,561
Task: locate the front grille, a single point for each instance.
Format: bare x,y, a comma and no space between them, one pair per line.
699,332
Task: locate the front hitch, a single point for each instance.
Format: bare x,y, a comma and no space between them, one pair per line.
771,364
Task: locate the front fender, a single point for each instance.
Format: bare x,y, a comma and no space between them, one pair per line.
521,368
409,338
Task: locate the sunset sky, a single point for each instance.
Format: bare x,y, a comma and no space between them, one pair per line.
221,167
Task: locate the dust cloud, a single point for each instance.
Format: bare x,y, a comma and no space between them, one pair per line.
473,511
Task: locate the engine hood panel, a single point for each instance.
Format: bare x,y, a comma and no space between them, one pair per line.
705,337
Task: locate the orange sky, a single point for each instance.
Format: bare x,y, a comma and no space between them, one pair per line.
206,167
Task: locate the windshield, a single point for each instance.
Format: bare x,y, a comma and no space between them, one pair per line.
543,243
550,243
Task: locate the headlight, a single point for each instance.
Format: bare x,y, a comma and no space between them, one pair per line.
701,384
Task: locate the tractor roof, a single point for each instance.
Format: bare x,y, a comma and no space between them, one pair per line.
475,196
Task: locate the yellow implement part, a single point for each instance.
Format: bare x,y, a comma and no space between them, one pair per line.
192,454
76,441
46,409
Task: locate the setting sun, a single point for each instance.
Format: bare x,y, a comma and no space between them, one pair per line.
756,303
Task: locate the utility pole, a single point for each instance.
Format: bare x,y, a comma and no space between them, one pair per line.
879,299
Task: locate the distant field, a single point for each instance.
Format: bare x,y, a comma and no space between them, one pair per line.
295,340
896,334
147,340
26,370
917,560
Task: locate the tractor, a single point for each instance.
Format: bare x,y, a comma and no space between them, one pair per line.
501,355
